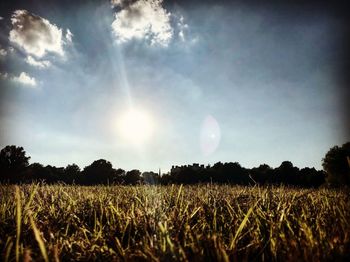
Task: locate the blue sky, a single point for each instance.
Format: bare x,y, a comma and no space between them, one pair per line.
221,81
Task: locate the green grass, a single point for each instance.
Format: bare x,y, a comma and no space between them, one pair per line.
204,222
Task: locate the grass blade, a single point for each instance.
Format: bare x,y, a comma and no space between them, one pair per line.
18,220
39,239
241,226
8,249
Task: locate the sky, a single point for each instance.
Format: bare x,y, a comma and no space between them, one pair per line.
151,84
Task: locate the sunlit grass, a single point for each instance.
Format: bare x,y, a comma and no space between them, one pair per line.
202,222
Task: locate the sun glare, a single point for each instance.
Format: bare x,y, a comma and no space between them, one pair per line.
136,126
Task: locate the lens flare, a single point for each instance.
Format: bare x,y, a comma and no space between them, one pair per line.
210,135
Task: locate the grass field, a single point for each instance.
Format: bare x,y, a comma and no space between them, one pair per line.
200,223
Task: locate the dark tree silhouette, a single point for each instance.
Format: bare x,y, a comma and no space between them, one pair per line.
54,174
119,176
262,174
336,164
99,172
185,175
167,179
310,177
14,168
237,174
36,172
286,173
132,177
72,174
13,162
229,173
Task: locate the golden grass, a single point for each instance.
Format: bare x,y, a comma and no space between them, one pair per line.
165,223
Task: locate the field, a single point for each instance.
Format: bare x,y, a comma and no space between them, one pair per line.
180,223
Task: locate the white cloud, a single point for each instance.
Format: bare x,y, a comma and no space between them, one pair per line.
117,2
182,28
25,79
69,36
41,64
3,52
142,19
36,35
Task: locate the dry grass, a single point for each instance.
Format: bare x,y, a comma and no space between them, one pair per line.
204,222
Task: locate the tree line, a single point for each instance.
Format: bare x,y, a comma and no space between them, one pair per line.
15,168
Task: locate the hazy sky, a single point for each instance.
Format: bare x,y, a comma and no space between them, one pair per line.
214,80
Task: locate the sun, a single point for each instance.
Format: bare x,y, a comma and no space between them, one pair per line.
136,126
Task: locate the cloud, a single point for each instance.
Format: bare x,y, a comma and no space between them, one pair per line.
3,75
182,28
3,52
142,19
117,2
36,35
122,3
69,36
183,31
25,79
1,18
41,64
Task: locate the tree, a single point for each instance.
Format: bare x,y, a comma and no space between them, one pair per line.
236,174
72,173
262,174
286,173
36,172
310,177
13,162
54,174
118,176
99,172
336,164
133,177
